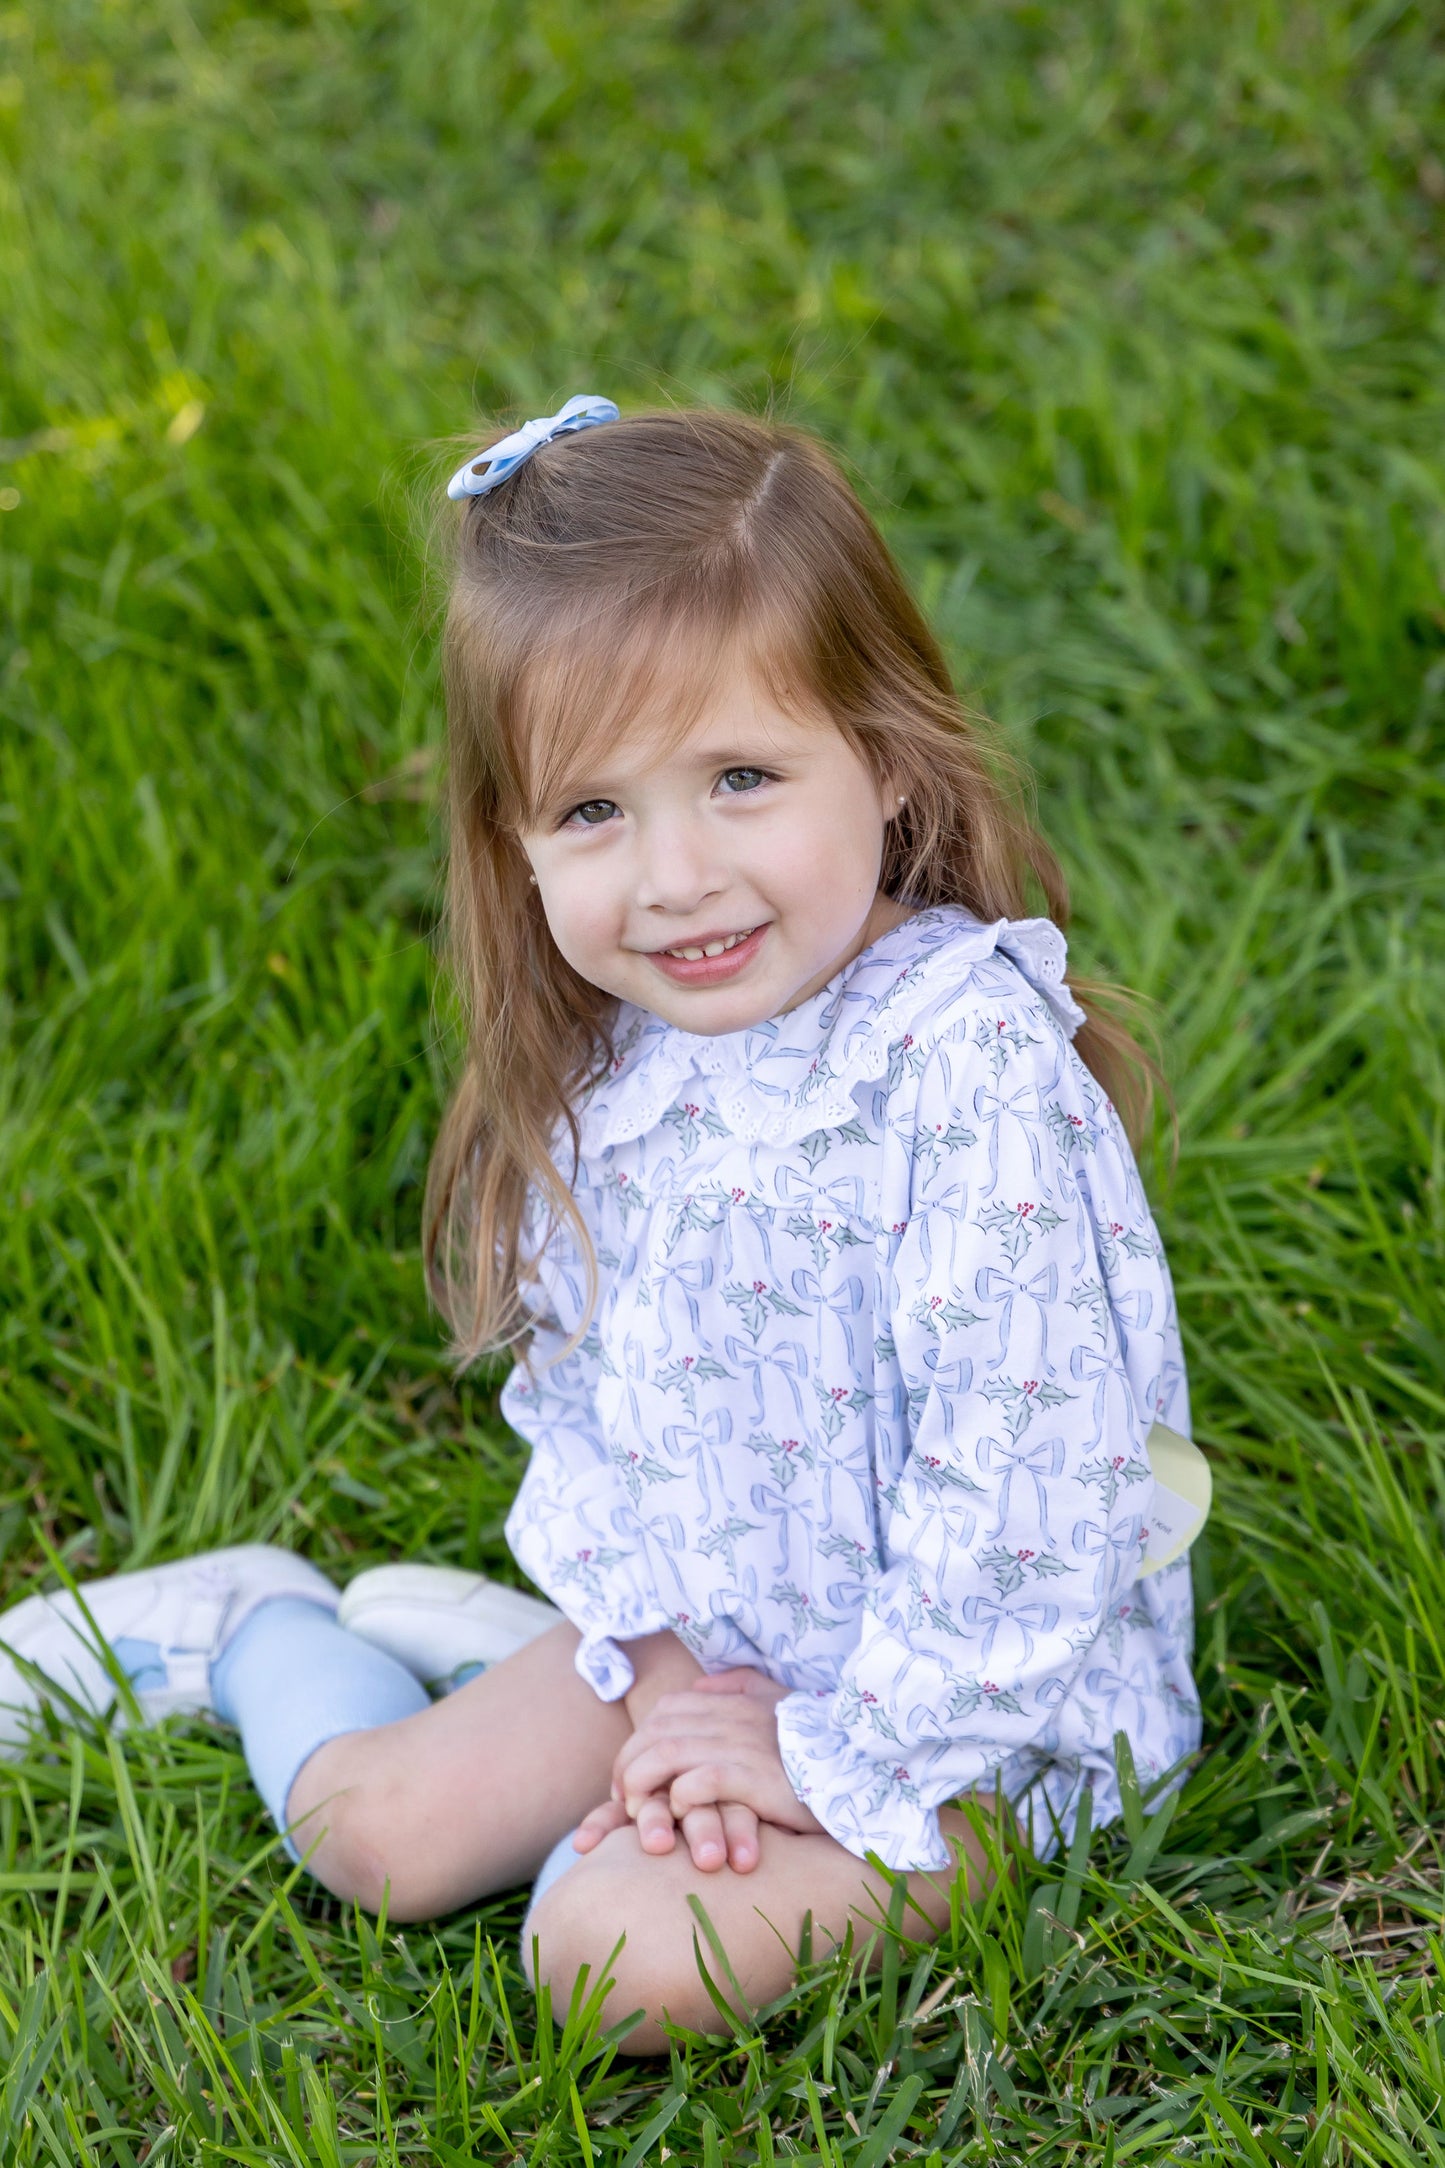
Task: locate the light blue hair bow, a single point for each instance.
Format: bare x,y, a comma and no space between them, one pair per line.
502,460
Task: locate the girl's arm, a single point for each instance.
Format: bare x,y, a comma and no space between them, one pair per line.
660,1665
573,1528
1032,1322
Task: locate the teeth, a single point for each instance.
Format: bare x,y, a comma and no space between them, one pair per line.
714,948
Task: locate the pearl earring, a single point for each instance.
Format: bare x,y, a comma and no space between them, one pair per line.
533,879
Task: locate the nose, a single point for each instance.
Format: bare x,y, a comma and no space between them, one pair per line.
677,867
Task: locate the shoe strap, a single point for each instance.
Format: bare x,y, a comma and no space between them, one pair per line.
188,1673
188,1670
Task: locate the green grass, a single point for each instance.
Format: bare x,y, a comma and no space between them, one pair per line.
1131,319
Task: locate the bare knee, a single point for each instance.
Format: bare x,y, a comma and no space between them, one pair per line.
645,1970
596,1932
351,1830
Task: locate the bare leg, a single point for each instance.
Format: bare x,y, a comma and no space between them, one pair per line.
466,1797
620,1890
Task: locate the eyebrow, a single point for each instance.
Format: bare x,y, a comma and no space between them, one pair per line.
725,754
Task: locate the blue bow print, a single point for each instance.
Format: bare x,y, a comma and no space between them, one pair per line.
496,465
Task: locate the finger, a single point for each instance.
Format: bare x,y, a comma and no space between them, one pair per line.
749,1779
707,1784
598,1824
685,1735
740,1829
706,1839
700,1716
656,1826
655,1770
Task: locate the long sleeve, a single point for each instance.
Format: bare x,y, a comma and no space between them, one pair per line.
573,1527
1022,1328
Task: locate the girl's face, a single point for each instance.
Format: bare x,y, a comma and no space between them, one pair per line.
760,836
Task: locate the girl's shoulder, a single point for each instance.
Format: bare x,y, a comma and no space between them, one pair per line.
874,1025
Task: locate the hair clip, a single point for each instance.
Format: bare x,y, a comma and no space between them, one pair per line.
500,461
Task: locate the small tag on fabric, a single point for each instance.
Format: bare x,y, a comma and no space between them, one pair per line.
1183,1488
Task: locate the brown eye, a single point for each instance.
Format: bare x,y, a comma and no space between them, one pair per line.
602,807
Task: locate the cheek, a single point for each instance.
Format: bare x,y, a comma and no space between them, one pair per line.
577,909
836,848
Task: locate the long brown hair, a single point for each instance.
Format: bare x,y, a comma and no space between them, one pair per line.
615,574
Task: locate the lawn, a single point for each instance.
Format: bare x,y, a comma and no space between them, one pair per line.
1130,320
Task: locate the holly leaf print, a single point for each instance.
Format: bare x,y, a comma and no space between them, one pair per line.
692,1212
1021,1399
628,1198
905,1058
928,1468
926,1612
785,1456
724,1540
847,1547
1112,1473
1070,1131
1089,1295
893,1787
974,1694
692,1121
940,1315
806,1616
684,1377
755,1304
638,1469
820,1142
857,1706
1010,1569
1116,1237
588,1566
930,1145
826,1236
1017,1224
999,1038
838,1401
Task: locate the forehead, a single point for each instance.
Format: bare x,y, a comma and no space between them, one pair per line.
668,711
739,716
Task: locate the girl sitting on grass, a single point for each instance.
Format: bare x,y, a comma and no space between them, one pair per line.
787,1159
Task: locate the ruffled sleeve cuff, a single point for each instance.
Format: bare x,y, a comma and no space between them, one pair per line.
603,1661
597,1589
867,1805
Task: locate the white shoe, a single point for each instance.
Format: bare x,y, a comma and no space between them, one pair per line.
163,1627
441,1623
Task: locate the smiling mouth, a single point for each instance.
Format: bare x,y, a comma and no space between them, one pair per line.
720,947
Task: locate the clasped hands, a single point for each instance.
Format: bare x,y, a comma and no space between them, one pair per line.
703,1760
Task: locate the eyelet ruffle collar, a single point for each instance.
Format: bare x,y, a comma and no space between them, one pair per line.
778,1080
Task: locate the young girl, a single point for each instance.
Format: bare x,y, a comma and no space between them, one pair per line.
787,1158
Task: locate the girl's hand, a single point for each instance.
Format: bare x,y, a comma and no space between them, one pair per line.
717,1836
714,1747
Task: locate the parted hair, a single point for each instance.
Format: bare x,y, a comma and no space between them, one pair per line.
605,586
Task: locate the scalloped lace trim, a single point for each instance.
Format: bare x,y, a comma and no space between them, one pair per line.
783,1078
